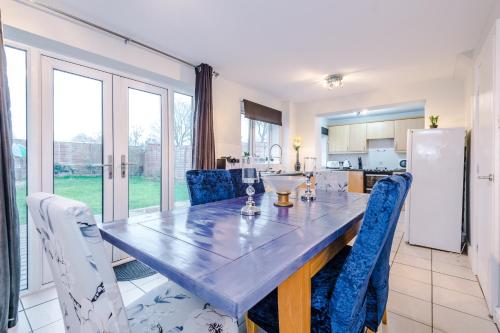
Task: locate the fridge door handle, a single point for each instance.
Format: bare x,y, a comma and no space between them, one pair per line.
489,177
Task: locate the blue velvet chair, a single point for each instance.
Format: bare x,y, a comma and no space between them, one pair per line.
378,287
344,292
206,186
240,187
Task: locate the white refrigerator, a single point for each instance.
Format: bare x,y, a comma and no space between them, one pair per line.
435,158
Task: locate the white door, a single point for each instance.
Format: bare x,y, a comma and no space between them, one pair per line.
483,133
104,143
141,150
77,143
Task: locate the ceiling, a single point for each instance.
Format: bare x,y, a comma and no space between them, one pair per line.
286,47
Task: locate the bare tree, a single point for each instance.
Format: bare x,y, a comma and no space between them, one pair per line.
183,124
135,136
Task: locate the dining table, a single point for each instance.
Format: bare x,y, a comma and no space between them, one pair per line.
233,261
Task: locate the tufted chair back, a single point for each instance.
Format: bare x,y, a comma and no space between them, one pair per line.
206,186
378,288
86,285
240,187
349,298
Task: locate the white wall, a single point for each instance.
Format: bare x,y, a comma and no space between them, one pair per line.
443,97
227,97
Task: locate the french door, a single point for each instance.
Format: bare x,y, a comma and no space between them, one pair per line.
104,142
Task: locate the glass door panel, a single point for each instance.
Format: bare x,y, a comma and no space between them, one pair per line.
78,139
17,76
183,149
144,152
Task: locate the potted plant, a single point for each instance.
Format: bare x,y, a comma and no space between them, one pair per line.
434,121
297,142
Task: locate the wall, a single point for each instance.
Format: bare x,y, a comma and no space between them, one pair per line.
443,97
227,97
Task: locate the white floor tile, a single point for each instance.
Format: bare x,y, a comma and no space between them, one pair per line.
399,324
458,284
451,321
410,272
147,287
410,307
458,271
44,314
39,297
413,261
411,287
22,324
140,282
460,302
415,251
126,286
57,327
451,258
131,296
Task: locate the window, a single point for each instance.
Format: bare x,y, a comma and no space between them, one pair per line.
17,74
183,138
257,137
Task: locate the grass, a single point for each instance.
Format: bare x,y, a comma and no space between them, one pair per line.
143,192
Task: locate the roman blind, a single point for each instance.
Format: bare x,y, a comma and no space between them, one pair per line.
259,112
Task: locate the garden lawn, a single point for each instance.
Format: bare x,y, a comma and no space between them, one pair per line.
143,192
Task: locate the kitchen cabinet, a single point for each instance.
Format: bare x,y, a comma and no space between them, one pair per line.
338,139
357,138
355,182
401,128
380,130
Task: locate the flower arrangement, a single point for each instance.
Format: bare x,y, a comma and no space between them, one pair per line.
297,143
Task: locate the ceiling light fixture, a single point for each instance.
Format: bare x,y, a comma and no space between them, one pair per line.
334,81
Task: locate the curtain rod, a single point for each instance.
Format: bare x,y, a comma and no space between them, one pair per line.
127,39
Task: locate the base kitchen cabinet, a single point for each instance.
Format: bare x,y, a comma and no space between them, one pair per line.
355,182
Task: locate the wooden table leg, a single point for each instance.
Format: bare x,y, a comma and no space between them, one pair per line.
294,294
251,327
294,302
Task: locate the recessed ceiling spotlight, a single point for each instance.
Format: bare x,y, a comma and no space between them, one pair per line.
364,112
334,81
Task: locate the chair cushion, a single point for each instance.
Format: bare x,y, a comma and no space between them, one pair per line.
170,308
265,313
209,185
240,187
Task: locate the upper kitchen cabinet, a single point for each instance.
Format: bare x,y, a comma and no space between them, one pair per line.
338,139
380,130
357,138
401,128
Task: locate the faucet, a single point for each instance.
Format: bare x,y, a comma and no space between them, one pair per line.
271,156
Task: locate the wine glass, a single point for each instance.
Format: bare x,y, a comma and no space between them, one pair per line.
249,175
309,169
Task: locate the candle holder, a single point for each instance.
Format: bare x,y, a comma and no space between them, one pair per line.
309,169
249,176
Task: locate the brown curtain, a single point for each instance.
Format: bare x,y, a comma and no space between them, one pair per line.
203,127
9,219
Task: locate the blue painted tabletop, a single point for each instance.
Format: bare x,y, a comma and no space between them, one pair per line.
233,261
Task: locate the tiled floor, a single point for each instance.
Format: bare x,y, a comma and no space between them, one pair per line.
430,292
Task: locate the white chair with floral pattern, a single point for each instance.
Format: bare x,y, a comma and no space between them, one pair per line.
86,284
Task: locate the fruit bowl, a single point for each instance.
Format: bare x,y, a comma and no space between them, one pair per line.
283,185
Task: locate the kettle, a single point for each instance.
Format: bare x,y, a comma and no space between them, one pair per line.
346,164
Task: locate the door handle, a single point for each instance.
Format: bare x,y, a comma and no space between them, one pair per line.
490,177
109,165
124,165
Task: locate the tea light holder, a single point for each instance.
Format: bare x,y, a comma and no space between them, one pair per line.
249,176
309,169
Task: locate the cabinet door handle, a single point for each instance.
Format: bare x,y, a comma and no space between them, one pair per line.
489,177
